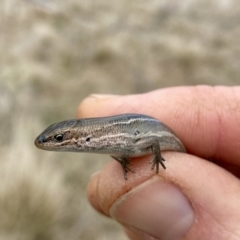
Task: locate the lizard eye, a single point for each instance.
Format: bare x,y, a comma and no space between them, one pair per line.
59,137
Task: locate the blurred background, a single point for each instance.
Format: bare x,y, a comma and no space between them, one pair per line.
53,54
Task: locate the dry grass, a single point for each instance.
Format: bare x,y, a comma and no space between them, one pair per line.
53,54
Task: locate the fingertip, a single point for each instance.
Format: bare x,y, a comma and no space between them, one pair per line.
93,105
156,208
92,190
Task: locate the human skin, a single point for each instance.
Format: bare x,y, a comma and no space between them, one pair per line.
198,195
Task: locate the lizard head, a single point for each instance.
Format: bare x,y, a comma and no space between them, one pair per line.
56,136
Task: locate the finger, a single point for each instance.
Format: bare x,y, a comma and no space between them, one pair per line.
192,199
92,197
206,119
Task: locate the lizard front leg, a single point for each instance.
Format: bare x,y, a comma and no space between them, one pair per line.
124,163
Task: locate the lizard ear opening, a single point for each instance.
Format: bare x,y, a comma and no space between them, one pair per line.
136,132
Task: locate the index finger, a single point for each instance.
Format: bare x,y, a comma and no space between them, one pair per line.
206,119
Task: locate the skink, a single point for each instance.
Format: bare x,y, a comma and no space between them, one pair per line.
121,136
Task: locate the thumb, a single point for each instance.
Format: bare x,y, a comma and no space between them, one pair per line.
193,199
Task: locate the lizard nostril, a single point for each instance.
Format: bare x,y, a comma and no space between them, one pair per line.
39,140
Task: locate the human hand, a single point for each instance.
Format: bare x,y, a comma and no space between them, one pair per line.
198,195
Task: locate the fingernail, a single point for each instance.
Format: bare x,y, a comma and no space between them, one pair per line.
156,208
